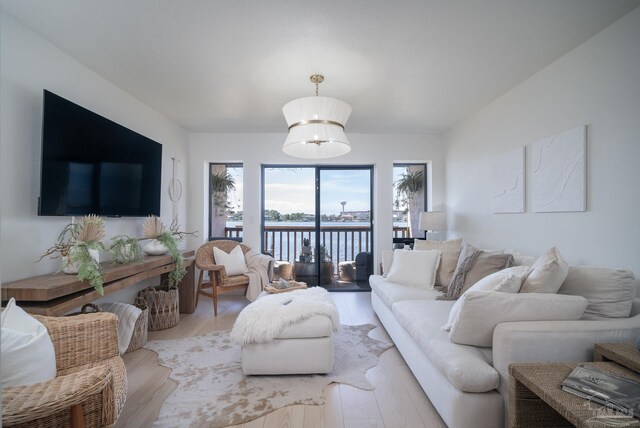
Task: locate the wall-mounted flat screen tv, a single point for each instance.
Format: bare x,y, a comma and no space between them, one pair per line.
92,165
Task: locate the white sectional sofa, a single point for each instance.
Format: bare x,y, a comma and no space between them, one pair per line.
468,385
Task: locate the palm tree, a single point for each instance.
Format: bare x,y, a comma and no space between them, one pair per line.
409,188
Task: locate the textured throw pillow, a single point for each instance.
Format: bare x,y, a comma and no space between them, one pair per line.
233,261
483,310
506,281
475,267
448,260
547,273
414,268
520,259
27,355
610,292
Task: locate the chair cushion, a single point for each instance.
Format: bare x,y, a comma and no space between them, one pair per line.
27,355
468,368
610,292
235,280
390,292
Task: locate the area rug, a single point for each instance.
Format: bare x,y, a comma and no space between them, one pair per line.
213,392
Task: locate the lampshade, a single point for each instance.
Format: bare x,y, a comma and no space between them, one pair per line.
431,220
316,126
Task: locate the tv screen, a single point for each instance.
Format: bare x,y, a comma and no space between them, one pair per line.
92,165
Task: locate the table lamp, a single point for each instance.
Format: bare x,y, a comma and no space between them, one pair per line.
432,220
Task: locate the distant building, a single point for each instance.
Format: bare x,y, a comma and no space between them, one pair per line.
355,215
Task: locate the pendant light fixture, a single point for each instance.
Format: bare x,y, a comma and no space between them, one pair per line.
316,126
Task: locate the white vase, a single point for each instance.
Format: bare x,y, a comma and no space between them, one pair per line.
155,248
70,268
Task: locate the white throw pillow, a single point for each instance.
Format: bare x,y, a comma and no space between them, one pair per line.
233,261
547,273
482,311
387,259
507,281
414,268
27,355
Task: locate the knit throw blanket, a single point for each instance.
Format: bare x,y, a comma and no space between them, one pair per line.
264,319
127,317
259,266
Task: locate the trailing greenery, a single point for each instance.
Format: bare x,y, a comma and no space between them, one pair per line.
170,241
324,255
88,268
125,249
410,183
221,184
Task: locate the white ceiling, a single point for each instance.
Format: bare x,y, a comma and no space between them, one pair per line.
229,66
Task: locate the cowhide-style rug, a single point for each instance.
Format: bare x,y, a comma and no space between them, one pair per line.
213,392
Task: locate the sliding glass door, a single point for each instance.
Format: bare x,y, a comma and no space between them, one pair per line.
318,222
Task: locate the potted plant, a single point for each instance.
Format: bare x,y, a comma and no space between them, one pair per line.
306,250
78,247
165,240
408,187
326,266
125,249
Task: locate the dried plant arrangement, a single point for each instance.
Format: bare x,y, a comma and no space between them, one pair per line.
75,244
153,228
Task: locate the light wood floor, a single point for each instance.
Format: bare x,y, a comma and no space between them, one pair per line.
397,401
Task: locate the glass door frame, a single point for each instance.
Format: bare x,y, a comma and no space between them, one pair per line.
317,186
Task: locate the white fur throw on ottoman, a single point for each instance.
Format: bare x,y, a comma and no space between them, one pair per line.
288,333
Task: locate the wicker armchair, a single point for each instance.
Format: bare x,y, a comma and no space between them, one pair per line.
91,381
218,278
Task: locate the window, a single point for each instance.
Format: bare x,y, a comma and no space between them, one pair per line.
225,200
409,199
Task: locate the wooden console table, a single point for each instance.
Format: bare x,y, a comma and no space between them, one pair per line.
57,294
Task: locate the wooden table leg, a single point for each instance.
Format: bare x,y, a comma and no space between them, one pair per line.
77,416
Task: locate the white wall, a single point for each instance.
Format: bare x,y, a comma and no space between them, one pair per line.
29,65
597,84
254,150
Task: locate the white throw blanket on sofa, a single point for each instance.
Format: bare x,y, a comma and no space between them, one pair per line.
264,319
259,266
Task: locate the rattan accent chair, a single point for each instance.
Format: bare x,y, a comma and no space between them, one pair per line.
218,278
90,387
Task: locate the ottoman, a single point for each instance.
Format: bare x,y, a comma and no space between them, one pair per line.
302,348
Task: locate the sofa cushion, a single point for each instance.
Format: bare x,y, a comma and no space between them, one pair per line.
448,260
547,273
414,268
481,311
506,280
387,258
390,292
478,265
610,292
468,368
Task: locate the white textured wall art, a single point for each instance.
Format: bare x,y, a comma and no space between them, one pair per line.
559,172
507,182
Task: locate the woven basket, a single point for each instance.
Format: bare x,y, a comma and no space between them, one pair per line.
139,337
89,308
163,306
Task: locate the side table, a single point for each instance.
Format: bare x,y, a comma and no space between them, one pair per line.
625,354
536,398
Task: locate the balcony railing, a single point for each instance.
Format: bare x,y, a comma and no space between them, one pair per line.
342,243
